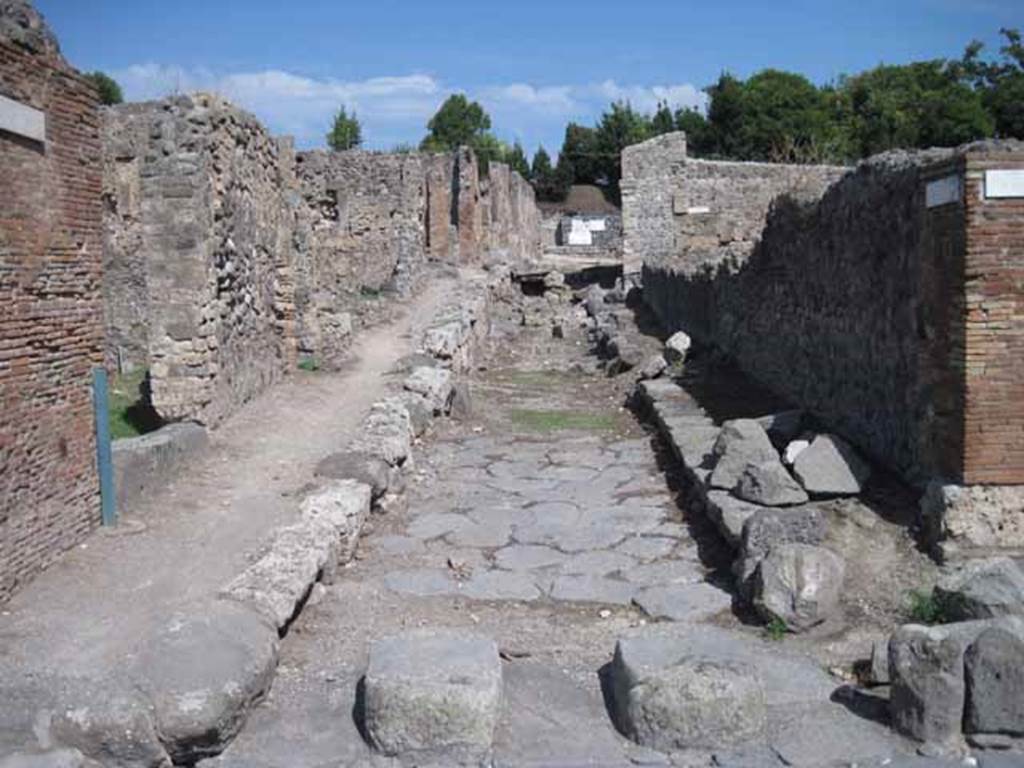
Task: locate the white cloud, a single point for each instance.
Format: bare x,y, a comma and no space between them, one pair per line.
396,109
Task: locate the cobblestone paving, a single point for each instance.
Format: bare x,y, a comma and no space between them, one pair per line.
564,518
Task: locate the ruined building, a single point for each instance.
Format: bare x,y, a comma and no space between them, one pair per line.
886,300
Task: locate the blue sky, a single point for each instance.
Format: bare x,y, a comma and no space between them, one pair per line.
534,65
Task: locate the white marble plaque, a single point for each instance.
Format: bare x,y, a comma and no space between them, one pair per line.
596,225
19,119
1005,183
942,191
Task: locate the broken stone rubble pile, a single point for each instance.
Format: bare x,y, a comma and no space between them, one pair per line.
965,678
766,511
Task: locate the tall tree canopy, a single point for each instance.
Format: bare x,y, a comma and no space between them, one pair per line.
1000,82
346,133
923,104
463,123
459,122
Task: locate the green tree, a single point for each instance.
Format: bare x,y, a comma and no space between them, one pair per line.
543,176
463,123
109,90
459,122
697,130
580,150
620,127
346,133
923,104
663,120
773,116
725,114
516,160
1001,83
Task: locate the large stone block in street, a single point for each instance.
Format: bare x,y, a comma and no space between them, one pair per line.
432,692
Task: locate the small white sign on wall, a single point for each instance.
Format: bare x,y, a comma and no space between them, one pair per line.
22,120
942,191
579,233
1004,183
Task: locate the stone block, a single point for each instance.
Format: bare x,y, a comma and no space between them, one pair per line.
741,442
799,584
694,702
433,692
994,678
772,528
203,673
982,589
360,466
831,467
434,385
769,484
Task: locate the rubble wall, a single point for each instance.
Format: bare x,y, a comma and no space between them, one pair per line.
205,239
363,233
855,303
51,309
231,258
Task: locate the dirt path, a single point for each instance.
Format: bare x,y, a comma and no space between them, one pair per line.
187,541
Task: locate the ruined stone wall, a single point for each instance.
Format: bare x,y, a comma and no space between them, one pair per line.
51,327
469,210
511,220
363,231
442,211
231,257
853,305
698,213
125,133
214,236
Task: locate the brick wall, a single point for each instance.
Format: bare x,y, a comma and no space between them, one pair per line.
51,329
994,295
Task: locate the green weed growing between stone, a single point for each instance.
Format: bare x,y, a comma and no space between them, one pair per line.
560,421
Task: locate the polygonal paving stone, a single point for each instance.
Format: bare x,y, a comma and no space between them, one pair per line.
520,469
525,557
830,734
434,693
598,535
572,474
421,582
501,585
397,545
480,535
671,571
641,519
600,562
592,589
522,486
682,602
435,524
647,548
